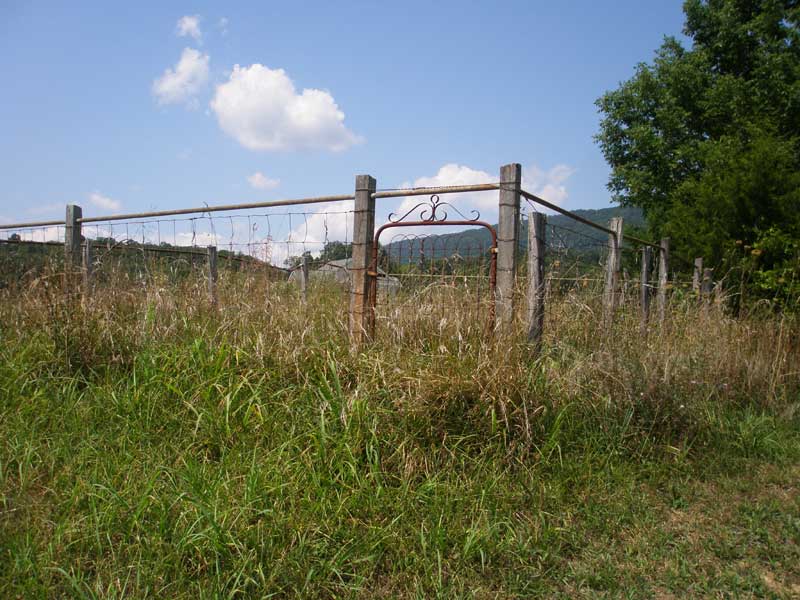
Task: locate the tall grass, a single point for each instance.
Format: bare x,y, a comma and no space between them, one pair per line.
154,445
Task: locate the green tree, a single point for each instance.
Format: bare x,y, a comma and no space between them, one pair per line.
335,251
706,139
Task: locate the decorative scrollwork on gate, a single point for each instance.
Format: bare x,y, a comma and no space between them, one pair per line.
433,211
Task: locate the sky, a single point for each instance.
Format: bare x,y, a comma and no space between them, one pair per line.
122,107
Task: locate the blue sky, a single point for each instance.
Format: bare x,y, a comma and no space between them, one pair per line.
90,117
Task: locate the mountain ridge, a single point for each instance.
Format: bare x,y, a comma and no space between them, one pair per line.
562,232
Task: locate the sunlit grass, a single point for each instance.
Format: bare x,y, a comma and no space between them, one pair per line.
154,446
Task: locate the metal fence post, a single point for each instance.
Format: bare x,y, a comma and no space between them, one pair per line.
536,250
72,248
663,278
644,285
611,290
507,235
212,275
361,321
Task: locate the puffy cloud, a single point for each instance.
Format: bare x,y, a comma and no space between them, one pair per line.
548,185
453,174
104,202
189,25
261,182
261,109
185,80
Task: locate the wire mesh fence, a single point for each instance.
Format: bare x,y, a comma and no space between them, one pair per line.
28,254
442,281
432,272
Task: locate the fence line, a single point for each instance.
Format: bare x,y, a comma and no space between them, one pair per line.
548,245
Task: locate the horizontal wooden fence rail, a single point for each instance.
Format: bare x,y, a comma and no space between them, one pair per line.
427,191
217,208
31,224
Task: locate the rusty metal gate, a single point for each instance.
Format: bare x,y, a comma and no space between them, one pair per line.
430,250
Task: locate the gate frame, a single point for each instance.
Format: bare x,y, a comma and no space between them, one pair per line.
432,219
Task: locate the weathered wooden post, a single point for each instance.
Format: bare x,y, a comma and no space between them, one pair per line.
87,268
663,278
707,284
611,290
644,286
697,276
72,248
362,323
212,275
304,279
536,290
507,235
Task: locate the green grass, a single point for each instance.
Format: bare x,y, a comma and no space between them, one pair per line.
149,451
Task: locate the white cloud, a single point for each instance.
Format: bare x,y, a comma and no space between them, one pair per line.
261,182
260,108
453,174
183,82
223,26
104,202
548,185
189,25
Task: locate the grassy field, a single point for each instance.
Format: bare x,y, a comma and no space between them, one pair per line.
151,446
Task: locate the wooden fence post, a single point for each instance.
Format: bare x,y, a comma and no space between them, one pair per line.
536,291
72,248
697,276
644,285
507,235
611,290
87,268
212,274
304,280
707,284
663,279
362,323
